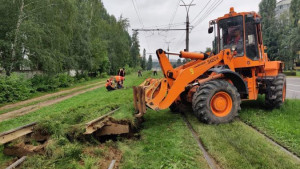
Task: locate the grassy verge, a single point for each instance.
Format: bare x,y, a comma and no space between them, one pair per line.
234,145
165,143
50,98
282,124
38,94
69,116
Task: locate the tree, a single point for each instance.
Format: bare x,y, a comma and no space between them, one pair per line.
284,40
178,62
134,50
149,63
270,35
295,26
144,60
208,49
57,36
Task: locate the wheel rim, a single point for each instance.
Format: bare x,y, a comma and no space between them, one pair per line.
284,92
221,104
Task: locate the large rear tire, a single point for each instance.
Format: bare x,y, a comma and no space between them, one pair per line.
276,92
175,107
216,102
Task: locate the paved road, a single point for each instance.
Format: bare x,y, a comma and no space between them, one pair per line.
293,88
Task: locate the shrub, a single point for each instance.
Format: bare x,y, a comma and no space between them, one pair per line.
14,88
65,80
44,83
290,73
103,75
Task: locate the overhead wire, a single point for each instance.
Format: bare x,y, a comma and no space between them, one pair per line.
173,17
201,11
134,3
207,13
137,12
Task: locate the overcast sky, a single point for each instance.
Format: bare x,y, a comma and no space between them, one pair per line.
154,13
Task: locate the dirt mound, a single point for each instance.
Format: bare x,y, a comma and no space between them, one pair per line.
31,144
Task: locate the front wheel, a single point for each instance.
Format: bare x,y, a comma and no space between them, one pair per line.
276,92
216,102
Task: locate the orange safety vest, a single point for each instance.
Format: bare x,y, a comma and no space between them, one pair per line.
119,78
108,84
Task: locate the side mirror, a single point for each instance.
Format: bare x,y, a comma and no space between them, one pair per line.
210,30
257,20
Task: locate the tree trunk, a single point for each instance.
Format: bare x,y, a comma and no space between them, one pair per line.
13,52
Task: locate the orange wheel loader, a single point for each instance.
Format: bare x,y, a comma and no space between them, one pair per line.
215,83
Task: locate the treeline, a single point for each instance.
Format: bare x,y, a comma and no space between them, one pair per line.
56,36
281,35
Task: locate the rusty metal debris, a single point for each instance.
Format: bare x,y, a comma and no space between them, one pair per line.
11,135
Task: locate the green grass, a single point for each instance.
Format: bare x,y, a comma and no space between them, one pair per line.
282,124
39,94
69,116
91,104
165,140
165,143
235,145
42,100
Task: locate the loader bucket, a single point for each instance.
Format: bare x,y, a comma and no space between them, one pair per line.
148,94
139,100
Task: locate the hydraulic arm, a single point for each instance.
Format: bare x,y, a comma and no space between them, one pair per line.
160,94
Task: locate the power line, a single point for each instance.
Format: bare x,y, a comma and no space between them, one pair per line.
140,20
201,10
208,13
173,16
187,8
137,13
166,25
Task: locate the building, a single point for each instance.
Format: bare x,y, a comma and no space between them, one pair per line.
282,7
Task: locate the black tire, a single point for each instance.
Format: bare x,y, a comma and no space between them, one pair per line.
275,95
202,101
174,107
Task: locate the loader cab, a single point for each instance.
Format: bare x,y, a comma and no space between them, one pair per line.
241,33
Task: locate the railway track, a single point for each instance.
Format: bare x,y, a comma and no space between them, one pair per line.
272,141
32,108
47,96
101,126
210,160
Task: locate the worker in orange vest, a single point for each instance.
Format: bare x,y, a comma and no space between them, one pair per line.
109,85
119,81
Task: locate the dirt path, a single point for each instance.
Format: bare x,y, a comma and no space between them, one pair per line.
29,109
46,96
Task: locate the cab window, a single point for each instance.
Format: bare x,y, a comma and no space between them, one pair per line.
251,39
232,35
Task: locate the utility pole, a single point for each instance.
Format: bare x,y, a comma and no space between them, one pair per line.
187,39
187,28
168,42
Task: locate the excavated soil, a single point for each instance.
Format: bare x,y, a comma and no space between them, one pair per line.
31,144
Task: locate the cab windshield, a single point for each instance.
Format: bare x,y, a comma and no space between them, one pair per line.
232,35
